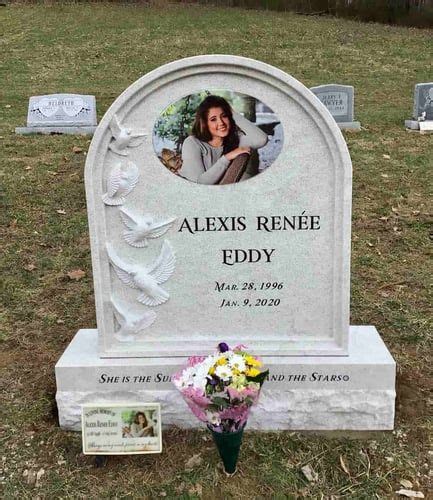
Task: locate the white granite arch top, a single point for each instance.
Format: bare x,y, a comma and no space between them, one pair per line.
135,203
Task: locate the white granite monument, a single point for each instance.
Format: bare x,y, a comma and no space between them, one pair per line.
339,100
60,114
216,249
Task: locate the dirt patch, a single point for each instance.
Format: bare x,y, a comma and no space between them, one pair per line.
413,390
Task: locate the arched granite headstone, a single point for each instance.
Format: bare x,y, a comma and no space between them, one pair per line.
182,261
290,226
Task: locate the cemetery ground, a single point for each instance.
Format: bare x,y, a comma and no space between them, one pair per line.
46,288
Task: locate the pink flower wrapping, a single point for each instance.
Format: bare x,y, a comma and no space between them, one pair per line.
195,360
220,389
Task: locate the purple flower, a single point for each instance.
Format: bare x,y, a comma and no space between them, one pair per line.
223,347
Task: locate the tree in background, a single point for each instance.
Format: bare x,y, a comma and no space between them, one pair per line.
175,122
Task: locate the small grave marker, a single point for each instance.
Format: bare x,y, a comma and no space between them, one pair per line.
422,114
339,101
60,114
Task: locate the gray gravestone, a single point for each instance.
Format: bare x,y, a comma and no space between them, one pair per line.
60,113
339,101
179,266
422,107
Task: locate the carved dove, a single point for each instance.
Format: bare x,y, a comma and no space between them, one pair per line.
120,182
142,228
124,138
146,279
130,323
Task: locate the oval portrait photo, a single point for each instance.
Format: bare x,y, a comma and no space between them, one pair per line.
217,137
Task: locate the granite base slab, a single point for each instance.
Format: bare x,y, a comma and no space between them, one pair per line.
412,124
349,125
415,125
355,392
55,130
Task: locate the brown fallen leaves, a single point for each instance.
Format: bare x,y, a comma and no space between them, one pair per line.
76,274
193,462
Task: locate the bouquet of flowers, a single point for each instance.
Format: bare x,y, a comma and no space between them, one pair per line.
220,390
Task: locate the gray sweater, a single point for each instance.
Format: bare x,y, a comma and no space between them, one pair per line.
206,164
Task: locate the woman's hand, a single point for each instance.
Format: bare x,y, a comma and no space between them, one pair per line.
236,152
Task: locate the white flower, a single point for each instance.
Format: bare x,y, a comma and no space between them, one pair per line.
213,418
186,379
238,362
200,380
223,372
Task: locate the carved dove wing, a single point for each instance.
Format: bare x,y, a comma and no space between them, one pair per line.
145,321
127,218
130,324
115,127
114,179
132,175
136,138
123,271
164,265
159,228
120,183
120,316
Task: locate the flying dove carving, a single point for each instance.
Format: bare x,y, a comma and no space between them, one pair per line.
130,323
124,138
121,181
146,279
142,228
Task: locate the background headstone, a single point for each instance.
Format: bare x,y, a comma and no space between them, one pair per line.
60,113
422,106
339,101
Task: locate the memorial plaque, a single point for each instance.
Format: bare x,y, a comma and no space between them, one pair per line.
199,247
121,429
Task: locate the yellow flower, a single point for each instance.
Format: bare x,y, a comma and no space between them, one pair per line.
252,361
221,362
211,370
253,372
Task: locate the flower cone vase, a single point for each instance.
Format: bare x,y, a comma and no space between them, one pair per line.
228,444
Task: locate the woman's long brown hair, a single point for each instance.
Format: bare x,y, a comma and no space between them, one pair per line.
201,130
136,421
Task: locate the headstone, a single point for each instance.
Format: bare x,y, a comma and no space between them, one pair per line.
60,114
339,101
180,265
422,108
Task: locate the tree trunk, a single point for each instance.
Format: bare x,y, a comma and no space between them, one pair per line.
250,114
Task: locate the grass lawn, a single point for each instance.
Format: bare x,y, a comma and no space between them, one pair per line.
101,49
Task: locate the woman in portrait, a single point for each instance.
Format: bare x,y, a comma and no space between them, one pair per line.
220,138
139,427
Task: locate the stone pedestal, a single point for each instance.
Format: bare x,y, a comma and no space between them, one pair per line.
90,130
355,392
425,127
349,125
